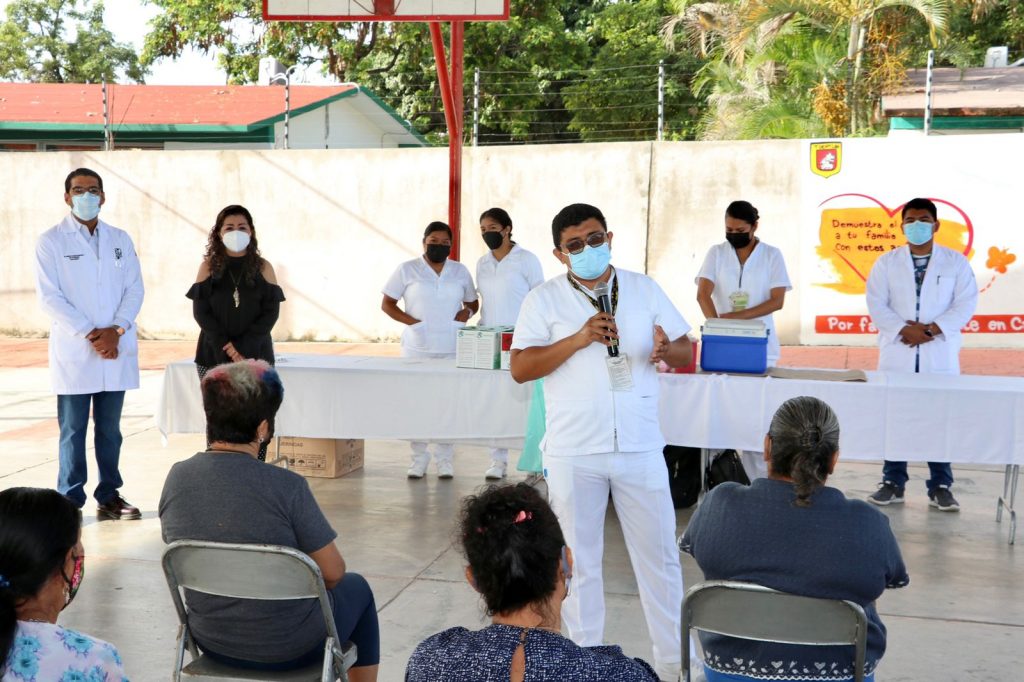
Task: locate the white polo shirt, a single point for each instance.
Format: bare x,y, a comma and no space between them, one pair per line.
764,270
584,415
504,284
433,299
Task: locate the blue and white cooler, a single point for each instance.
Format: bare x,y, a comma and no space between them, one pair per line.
734,346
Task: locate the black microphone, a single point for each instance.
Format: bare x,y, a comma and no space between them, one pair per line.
604,302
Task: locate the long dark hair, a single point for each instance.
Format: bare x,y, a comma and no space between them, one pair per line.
38,527
513,544
216,253
805,435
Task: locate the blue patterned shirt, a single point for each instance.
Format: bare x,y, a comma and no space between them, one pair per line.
44,652
461,655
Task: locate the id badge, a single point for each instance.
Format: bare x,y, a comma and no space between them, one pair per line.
619,373
739,300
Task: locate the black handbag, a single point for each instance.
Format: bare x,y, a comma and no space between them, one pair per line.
684,477
726,466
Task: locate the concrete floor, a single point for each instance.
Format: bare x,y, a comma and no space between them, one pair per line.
961,618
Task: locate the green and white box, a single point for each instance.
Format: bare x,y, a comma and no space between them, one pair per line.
479,347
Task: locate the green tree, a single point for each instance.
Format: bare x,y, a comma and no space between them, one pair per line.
57,41
858,48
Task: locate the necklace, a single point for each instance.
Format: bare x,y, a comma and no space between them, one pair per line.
236,280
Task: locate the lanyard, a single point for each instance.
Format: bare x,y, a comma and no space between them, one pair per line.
593,302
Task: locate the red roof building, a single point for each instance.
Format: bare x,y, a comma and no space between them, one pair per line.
70,116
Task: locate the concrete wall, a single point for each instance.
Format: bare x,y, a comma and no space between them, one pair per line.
335,223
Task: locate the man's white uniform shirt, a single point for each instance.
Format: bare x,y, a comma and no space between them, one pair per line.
584,415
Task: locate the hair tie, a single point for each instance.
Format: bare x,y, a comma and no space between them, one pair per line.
4,582
523,515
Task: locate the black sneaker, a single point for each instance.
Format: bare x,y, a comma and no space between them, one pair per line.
886,494
942,499
117,509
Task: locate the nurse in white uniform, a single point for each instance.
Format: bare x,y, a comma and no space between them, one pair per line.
504,276
90,285
439,298
745,279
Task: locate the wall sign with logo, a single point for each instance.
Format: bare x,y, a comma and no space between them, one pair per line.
853,198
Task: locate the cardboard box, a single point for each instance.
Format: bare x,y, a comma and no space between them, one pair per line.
322,457
479,347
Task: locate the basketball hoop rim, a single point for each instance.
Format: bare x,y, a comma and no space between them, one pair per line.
349,18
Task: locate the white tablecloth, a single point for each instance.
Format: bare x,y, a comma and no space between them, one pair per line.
912,417
373,398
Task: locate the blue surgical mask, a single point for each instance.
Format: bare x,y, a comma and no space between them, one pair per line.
919,232
591,262
85,206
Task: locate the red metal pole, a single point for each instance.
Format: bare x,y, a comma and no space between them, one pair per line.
455,139
443,81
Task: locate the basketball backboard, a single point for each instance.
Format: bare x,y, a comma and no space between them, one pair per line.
385,10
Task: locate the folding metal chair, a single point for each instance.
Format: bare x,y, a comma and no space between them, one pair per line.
264,572
750,611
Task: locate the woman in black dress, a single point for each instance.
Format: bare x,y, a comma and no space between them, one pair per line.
236,299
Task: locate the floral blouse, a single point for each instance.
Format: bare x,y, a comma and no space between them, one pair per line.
43,652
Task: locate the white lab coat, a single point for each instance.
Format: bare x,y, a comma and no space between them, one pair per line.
949,296
81,292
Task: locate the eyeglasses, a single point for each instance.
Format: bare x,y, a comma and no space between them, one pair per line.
575,247
79,191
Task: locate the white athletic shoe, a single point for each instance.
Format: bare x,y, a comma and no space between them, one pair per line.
418,467
445,469
496,472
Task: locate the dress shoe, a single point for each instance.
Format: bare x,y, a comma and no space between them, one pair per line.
117,509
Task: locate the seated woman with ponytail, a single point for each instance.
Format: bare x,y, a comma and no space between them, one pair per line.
41,567
519,564
792,533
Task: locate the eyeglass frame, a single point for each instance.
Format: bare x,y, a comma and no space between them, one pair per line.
593,240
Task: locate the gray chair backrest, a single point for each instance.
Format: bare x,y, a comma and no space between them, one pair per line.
266,572
752,611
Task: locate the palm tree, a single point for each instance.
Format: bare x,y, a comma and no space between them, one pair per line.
745,28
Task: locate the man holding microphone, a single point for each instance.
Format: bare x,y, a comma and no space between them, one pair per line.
603,435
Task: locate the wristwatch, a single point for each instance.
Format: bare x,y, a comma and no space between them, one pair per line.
120,331
928,332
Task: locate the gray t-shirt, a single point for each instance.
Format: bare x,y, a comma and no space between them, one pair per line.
232,497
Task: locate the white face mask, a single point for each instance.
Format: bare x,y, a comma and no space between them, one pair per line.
236,241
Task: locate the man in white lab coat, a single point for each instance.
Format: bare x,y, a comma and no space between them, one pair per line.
920,296
89,283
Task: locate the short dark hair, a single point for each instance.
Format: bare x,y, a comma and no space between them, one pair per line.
237,397
804,435
742,210
38,527
78,172
498,215
920,204
437,226
573,215
513,543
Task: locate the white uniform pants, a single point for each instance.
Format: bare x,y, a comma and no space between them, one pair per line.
499,455
443,452
638,481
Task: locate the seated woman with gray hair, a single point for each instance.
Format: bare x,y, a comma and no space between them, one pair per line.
227,495
792,533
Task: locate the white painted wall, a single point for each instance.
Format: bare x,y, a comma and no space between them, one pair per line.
335,223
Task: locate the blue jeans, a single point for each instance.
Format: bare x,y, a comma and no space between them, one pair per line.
73,418
355,617
896,473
